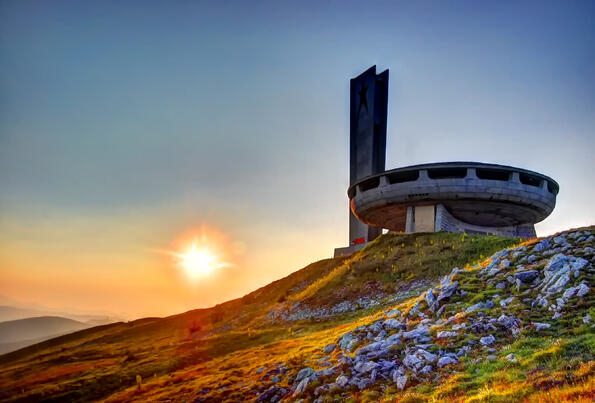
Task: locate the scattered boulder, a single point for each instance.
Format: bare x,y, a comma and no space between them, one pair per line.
412,361
446,334
583,290
392,324
365,367
416,333
342,381
526,276
447,292
487,340
444,361
401,381
329,348
305,373
541,326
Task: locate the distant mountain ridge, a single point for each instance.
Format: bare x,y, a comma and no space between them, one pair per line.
15,334
14,311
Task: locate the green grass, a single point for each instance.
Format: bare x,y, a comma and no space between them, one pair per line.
398,258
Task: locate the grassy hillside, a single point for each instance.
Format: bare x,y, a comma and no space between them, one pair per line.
253,348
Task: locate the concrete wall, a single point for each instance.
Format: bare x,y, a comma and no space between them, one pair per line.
424,218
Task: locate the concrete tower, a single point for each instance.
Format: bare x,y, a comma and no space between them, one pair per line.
369,106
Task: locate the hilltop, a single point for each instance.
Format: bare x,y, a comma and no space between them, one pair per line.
409,317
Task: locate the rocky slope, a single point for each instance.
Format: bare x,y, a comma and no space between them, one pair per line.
472,315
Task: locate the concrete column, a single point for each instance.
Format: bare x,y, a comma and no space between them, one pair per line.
515,178
383,181
471,174
409,223
439,217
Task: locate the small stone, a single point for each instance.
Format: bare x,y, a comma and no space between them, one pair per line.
418,332
511,357
531,259
446,334
342,381
459,326
556,263
393,313
401,381
587,319
447,291
430,299
443,361
570,292
505,302
583,290
259,370
541,326
487,340
329,348
302,386
507,321
305,373
526,276
491,357
365,367
505,263
347,341
363,384
373,376
426,370
413,362
560,240
429,357
578,265
542,245
392,324
475,307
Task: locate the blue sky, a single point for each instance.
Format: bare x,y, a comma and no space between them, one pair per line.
126,123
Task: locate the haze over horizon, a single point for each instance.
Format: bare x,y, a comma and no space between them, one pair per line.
126,129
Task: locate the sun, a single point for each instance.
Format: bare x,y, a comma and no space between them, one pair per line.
199,261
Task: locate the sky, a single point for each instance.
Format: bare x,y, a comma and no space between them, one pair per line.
128,128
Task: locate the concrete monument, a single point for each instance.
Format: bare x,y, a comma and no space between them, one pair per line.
469,197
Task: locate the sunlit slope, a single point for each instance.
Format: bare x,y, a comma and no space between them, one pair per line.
516,327
98,362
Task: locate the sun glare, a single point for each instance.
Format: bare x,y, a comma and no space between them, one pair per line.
199,261
201,258
201,253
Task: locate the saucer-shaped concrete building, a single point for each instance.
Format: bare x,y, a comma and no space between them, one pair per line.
470,197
